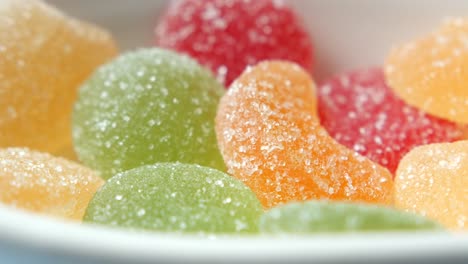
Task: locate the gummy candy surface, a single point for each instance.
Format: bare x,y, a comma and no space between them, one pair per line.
67,152
44,57
176,197
324,216
228,35
45,184
431,72
432,180
147,106
271,139
360,111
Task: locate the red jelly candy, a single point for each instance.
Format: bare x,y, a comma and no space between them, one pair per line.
361,112
228,35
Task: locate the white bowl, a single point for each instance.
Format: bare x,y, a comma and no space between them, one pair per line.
28,238
347,34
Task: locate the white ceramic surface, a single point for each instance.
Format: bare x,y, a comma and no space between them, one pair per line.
347,34
28,238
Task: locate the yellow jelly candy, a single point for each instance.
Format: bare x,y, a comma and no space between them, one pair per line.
433,180
44,57
431,73
45,184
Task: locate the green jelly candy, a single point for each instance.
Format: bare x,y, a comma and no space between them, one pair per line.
147,106
323,216
176,197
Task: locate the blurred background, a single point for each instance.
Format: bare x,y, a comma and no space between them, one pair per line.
346,33
132,22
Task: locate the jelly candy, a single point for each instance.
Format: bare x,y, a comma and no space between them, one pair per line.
67,152
228,35
147,106
431,73
324,216
45,184
176,197
45,55
361,112
271,139
433,180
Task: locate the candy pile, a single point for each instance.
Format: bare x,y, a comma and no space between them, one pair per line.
162,146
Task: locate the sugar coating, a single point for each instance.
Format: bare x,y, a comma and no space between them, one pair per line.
360,111
271,139
147,106
431,72
45,184
325,216
175,197
228,35
432,180
45,55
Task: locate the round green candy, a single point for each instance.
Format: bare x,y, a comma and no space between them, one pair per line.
324,216
147,106
176,197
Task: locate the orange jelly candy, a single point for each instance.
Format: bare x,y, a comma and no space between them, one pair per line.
432,180
45,184
271,139
44,57
431,73
68,152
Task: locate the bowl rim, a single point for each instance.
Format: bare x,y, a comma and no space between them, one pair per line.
28,230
